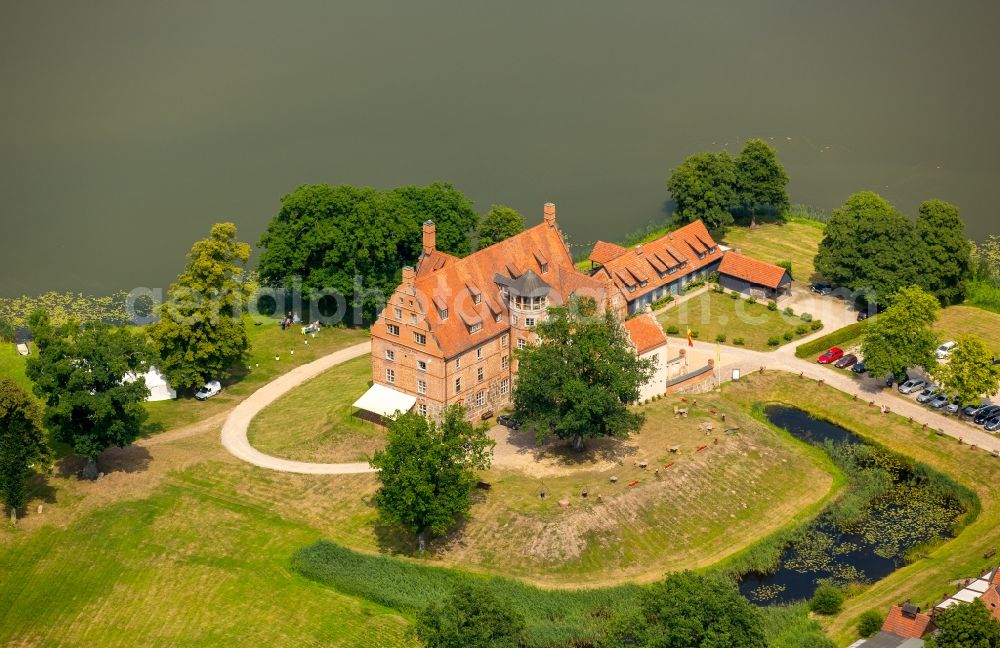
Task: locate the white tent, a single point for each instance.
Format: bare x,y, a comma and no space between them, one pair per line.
159,388
385,401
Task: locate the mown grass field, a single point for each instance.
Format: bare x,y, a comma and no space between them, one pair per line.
712,313
12,365
317,422
927,579
796,241
957,320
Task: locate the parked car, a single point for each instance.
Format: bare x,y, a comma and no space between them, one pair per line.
846,361
209,389
821,288
993,424
939,401
927,394
953,407
509,422
972,410
986,414
859,367
831,355
945,350
912,385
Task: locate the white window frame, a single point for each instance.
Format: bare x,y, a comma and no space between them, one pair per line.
390,375
421,386
390,355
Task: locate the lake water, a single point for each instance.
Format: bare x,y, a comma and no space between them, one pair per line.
869,550
128,128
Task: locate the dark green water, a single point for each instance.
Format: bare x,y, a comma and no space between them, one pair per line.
126,129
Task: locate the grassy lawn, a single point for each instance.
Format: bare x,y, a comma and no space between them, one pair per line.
925,580
267,341
316,422
12,365
796,241
956,320
712,313
182,567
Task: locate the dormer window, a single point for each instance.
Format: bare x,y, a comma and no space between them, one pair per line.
671,269
631,288
712,249
475,328
443,313
642,284
544,267
477,298
496,318
701,255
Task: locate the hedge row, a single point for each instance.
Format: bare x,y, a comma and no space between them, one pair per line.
840,336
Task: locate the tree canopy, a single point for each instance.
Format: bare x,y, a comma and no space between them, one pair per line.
902,336
704,186
427,471
948,253
969,372
578,382
80,371
499,223
761,180
689,610
354,241
22,442
201,334
870,247
966,625
471,617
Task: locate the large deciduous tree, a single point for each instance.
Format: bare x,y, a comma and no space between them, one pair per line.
966,625
689,609
22,443
902,336
81,372
442,203
761,181
499,223
201,334
704,186
942,233
428,471
471,617
578,381
969,372
870,247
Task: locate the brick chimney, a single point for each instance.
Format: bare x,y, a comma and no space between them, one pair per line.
430,237
549,214
409,275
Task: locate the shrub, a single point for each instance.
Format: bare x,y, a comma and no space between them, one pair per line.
789,311
840,337
718,288
751,300
806,317
738,341
661,302
816,325
691,285
828,599
673,330
801,329
774,340
712,277
788,335
734,295
772,305
720,338
870,623
6,330
694,334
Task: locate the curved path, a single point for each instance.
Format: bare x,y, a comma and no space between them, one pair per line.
234,430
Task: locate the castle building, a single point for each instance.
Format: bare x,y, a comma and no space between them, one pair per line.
446,334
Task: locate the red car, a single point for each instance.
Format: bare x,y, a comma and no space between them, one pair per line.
832,355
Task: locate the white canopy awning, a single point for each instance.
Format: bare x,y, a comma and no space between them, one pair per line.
385,401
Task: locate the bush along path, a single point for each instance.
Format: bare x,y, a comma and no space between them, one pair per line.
234,431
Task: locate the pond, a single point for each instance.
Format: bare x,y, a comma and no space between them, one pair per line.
866,546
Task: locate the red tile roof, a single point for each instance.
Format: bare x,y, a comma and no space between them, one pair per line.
678,250
903,626
604,252
645,333
752,270
444,279
991,597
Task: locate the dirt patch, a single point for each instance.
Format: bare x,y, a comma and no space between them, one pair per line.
517,451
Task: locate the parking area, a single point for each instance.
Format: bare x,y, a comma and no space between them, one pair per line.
835,313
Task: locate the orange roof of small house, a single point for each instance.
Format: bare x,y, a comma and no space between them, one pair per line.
991,597
648,266
911,627
444,280
752,270
645,333
604,252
